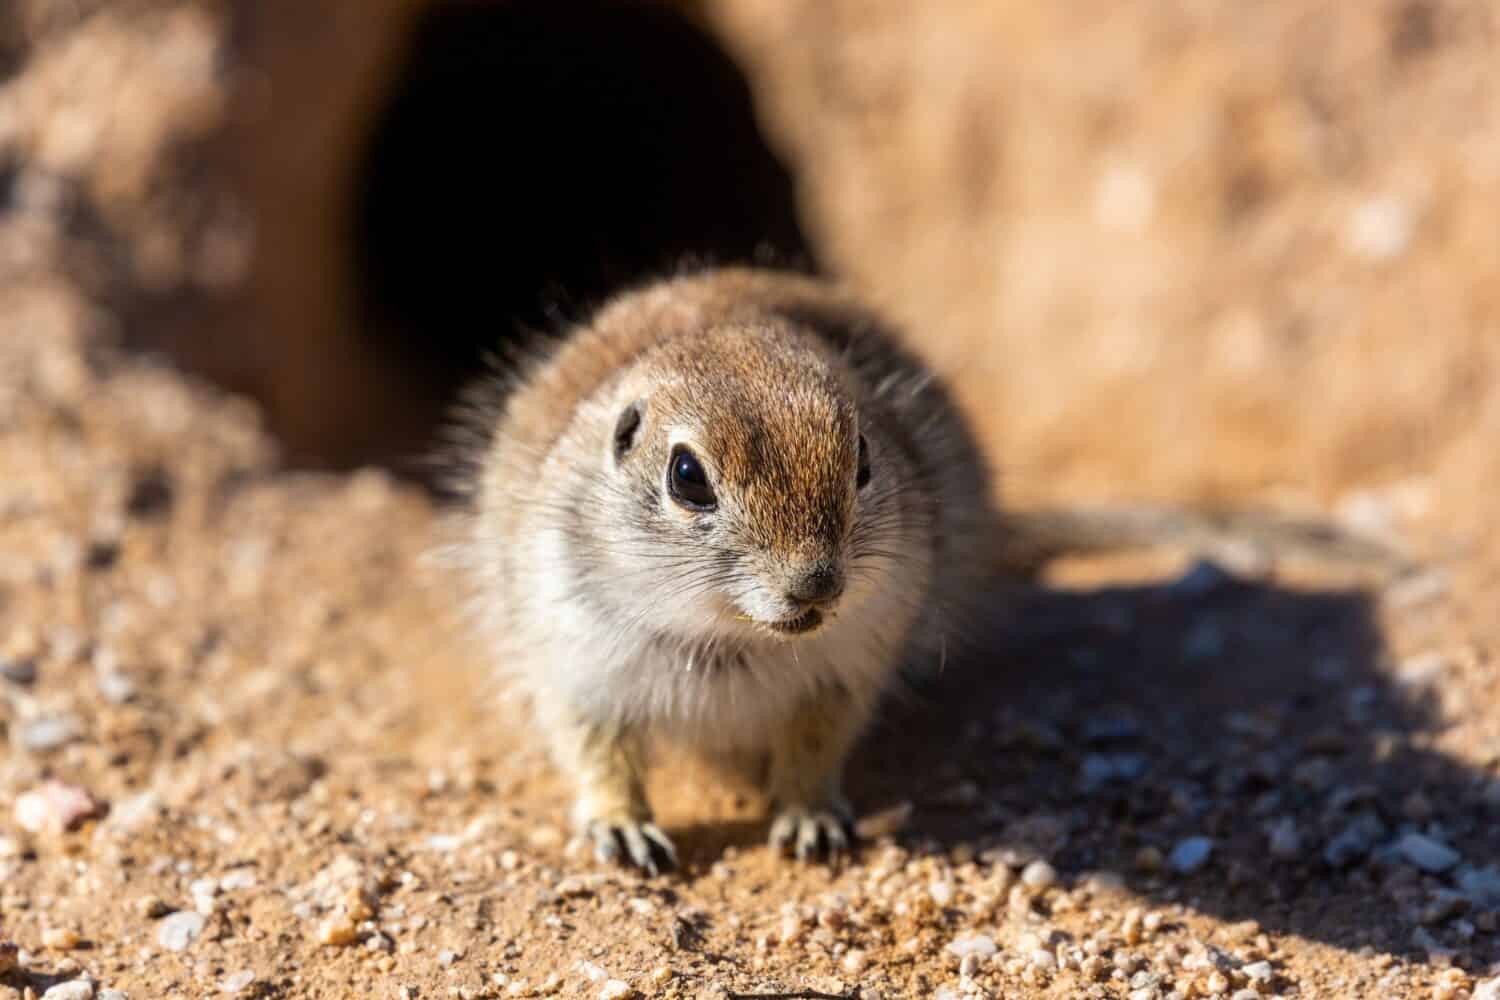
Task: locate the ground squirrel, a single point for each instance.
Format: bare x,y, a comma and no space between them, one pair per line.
727,509
730,508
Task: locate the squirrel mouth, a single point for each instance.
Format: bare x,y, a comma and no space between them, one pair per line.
805,622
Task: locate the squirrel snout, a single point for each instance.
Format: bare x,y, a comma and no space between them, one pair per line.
820,583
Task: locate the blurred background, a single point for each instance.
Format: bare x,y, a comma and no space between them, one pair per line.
1164,249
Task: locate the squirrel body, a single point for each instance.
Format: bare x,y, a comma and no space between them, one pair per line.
728,509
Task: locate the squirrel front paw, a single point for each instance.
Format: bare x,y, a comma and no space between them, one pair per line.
813,833
631,841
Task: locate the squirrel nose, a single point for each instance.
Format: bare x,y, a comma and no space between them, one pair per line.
818,585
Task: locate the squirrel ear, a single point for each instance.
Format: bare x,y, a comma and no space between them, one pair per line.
625,429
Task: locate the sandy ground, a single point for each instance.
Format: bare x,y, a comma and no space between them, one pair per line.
248,750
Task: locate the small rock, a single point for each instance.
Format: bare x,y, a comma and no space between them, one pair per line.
337,931
1191,854
1041,958
239,982
112,995
1259,972
77,989
54,808
1101,769
1430,855
977,944
446,958
240,878
21,670
663,974
616,989
1481,885
180,930
941,892
1489,989
969,966
48,732
1039,874
1354,842
135,813
1202,578
115,687
1283,841
60,939
854,963
1380,228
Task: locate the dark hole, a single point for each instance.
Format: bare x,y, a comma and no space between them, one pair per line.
537,156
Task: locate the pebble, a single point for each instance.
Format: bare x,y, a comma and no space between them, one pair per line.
1101,769
113,995
1481,885
1283,840
20,671
969,966
855,962
1431,855
977,944
616,989
1201,579
77,989
60,939
1191,854
180,930
941,893
1354,842
1380,228
1489,989
239,982
1039,875
337,931
54,807
116,688
1259,972
48,732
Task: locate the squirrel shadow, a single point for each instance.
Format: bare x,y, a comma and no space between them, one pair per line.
1101,728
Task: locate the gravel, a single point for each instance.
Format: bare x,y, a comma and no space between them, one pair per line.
1039,874
178,931
239,982
1427,853
975,944
76,989
20,671
1354,842
47,733
1190,855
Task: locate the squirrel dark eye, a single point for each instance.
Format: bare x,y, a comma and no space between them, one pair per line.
625,428
687,481
862,477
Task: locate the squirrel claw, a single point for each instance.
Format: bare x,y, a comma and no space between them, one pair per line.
812,834
645,846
